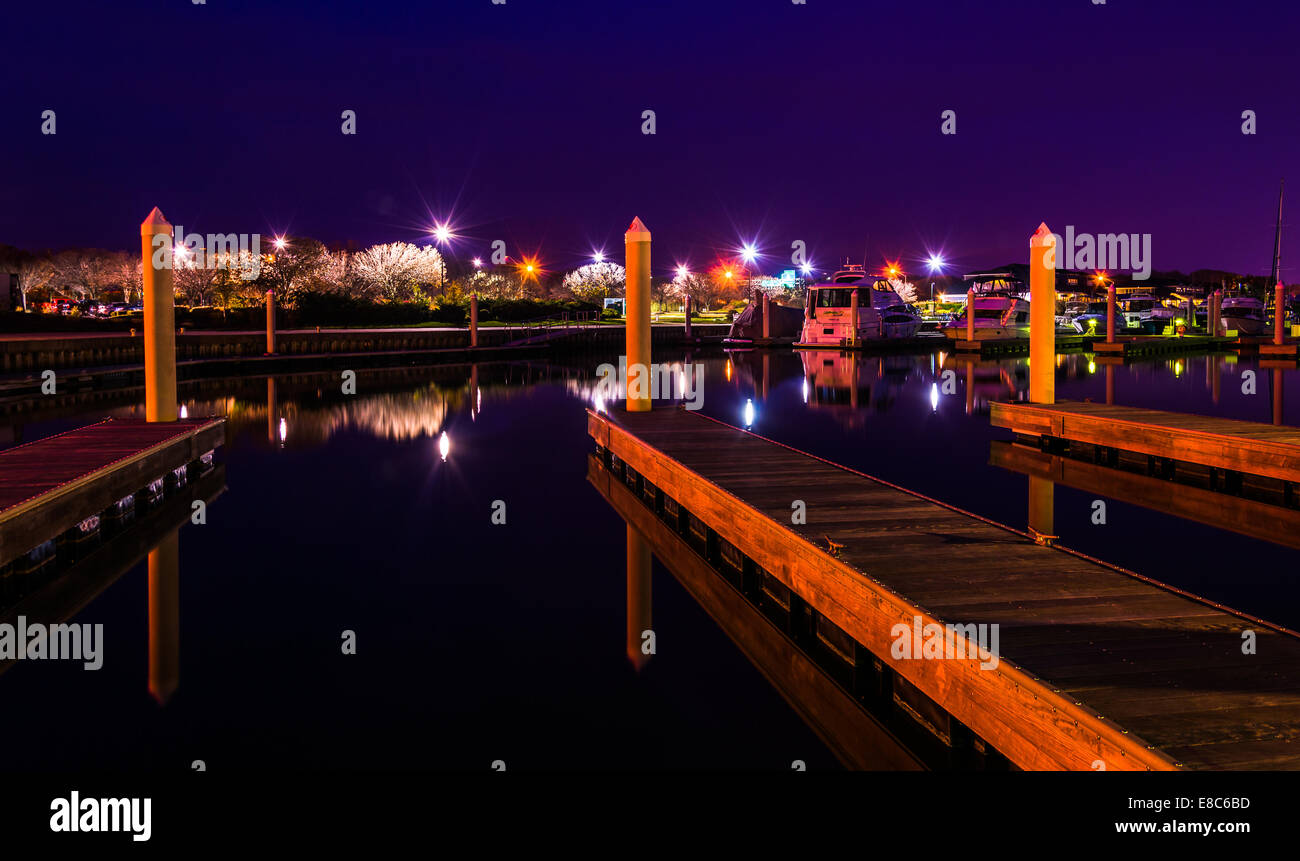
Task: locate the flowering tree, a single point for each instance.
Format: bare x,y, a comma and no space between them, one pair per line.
34,273
905,289
394,270
596,280
83,272
494,284
702,289
291,269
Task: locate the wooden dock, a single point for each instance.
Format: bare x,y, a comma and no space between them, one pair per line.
51,485
857,739
1098,667
1233,446
1253,518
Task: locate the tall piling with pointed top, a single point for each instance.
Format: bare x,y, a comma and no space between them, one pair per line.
159,319
473,320
636,245
686,310
970,314
1042,316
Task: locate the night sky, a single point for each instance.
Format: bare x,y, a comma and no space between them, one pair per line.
775,122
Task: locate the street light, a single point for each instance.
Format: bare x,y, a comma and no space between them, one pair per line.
598,256
280,243
478,262
443,234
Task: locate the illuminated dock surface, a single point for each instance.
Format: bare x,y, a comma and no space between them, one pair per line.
857,739
1098,667
1250,448
49,486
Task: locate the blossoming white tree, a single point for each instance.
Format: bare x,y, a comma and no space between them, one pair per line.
596,280
395,269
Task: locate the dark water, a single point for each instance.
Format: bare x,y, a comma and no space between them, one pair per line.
479,642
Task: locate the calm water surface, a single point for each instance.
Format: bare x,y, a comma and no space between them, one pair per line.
478,642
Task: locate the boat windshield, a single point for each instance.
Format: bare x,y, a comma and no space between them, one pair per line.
837,297
1096,308
1141,304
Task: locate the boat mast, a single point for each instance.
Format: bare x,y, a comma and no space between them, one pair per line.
1276,274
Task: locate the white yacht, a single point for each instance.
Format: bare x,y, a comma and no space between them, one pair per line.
1001,310
882,313
1147,314
1245,314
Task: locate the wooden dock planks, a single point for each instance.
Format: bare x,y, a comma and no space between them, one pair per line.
49,485
857,739
1096,664
1253,448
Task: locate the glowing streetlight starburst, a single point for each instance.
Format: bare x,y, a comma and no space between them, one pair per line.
598,256
478,262
748,253
280,243
936,262
443,234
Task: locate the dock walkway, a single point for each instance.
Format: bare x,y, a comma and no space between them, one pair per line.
1098,667
50,485
1250,448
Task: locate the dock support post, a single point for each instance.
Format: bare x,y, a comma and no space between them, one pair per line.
1110,385
636,244
159,319
767,316
270,322
686,309
473,319
164,617
1279,314
970,315
1110,313
1042,316
638,596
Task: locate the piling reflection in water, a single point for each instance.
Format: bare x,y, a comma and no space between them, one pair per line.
165,618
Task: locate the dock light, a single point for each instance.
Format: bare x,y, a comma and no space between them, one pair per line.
1178,368
185,412
934,397
1092,366
749,413
444,445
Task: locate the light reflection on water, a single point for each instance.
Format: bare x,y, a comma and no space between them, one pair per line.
341,513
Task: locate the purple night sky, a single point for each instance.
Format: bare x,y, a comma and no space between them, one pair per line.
775,121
